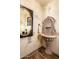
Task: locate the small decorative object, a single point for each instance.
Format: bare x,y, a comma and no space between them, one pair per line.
26,22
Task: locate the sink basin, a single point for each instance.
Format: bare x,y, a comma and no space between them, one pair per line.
47,41
48,36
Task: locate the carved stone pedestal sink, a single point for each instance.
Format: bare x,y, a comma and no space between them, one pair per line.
48,34
47,42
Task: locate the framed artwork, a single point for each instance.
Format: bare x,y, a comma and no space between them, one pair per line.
26,22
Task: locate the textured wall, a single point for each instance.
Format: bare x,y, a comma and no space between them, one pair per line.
25,47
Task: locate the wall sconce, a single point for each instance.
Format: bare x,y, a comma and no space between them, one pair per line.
39,28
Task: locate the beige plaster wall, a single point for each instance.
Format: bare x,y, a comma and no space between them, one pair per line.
25,46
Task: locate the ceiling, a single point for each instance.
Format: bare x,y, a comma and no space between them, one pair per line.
44,2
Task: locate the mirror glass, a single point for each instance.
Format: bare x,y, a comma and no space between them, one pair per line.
26,22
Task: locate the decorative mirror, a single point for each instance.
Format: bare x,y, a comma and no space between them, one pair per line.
26,22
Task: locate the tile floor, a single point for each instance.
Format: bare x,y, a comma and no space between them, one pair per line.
40,54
